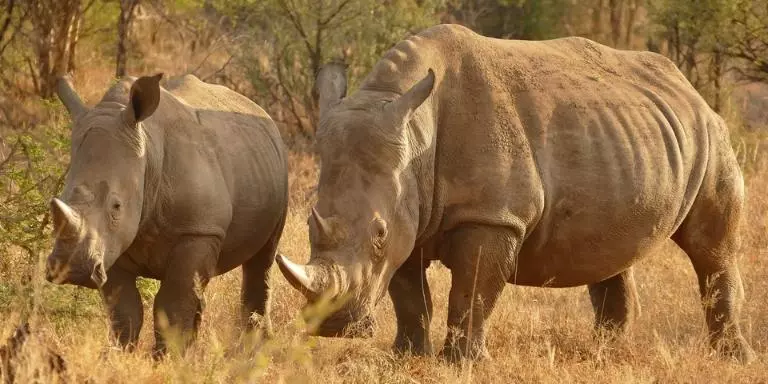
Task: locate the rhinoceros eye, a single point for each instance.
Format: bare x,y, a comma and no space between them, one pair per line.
379,233
115,210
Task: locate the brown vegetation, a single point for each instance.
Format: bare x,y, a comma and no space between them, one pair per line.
535,334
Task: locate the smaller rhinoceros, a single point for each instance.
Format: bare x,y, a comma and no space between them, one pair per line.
178,184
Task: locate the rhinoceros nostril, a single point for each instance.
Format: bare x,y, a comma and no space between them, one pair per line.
99,275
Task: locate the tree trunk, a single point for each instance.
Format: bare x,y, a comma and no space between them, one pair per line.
717,75
56,25
44,64
73,39
63,40
44,45
597,21
632,7
693,70
616,8
674,45
123,25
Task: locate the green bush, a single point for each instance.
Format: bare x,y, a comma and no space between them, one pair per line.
32,171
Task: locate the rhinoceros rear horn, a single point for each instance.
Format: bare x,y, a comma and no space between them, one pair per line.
144,99
402,108
330,85
69,97
323,228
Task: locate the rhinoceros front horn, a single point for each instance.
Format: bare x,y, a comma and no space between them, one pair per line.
305,278
64,217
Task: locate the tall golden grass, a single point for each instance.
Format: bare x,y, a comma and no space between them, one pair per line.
536,335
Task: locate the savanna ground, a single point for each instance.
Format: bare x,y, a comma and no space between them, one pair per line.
535,335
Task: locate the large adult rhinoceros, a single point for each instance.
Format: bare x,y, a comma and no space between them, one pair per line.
556,163
178,184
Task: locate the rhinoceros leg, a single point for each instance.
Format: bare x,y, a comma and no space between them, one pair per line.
722,293
124,308
615,302
179,302
481,259
255,289
709,235
413,307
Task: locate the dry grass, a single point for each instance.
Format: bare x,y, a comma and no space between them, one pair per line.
535,335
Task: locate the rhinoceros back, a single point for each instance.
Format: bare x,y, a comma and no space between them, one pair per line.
228,166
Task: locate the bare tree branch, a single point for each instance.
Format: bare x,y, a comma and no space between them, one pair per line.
220,70
293,108
7,22
294,19
335,12
209,52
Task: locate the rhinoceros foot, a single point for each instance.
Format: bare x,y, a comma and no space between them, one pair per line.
736,348
415,347
459,350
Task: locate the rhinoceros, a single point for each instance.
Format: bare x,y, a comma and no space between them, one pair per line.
178,184
556,163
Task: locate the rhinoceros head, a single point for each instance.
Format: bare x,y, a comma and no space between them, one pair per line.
365,222
97,216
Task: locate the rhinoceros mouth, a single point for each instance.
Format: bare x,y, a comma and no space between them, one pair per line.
340,324
84,274
81,279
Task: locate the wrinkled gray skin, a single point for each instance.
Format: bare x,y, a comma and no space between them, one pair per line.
178,184
557,163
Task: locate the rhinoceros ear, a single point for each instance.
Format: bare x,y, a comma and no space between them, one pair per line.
402,108
330,86
69,97
144,99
